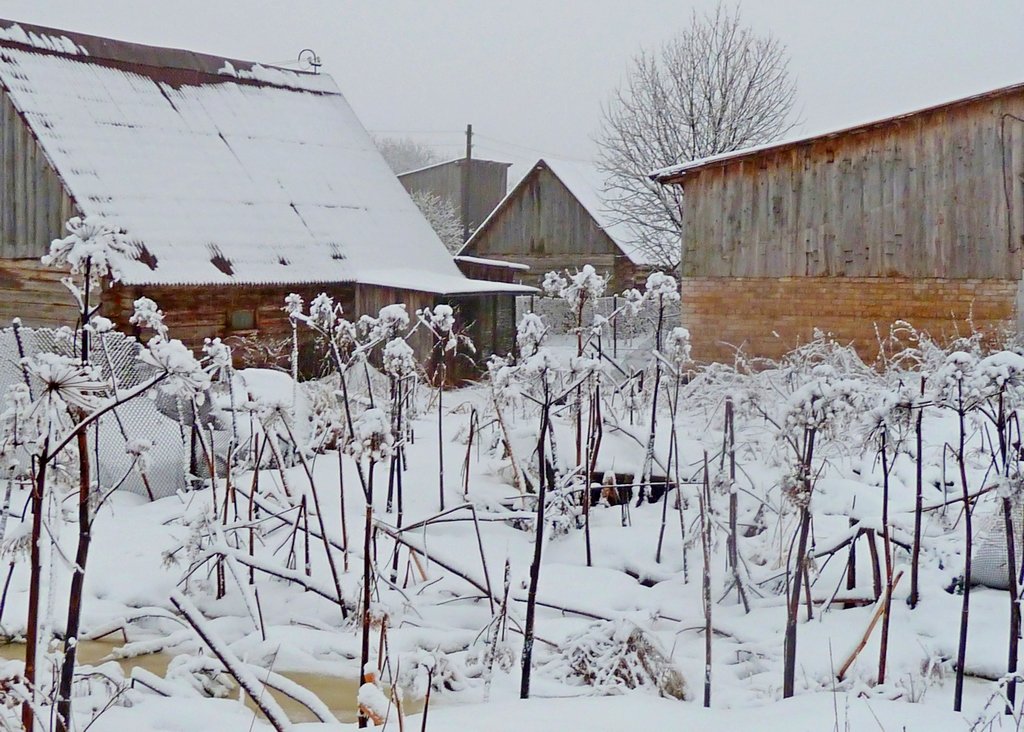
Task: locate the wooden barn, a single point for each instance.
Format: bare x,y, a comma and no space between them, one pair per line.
918,217
236,183
478,185
555,219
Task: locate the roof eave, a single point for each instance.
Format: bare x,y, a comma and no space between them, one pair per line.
677,173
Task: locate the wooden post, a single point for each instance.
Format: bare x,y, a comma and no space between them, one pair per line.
466,185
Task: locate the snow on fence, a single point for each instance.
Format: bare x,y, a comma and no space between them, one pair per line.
146,417
625,333
991,560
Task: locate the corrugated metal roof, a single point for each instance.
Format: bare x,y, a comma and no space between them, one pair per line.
223,171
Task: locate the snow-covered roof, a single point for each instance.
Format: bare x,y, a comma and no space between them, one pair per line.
588,185
219,171
491,262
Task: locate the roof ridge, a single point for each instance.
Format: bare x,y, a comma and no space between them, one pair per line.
128,54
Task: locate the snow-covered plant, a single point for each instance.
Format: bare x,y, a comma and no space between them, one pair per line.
616,657
326,319
91,244
293,306
530,334
661,286
554,284
440,321
391,320
677,347
146,314
180,373
372,438
954,384
586,285
68,384
399,360
827,402
633,301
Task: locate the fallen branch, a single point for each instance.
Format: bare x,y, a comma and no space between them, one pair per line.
867,633
251,685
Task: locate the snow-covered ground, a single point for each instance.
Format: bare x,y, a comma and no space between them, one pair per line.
405,573
437,606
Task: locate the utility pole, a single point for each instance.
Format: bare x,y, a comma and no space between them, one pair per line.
466,168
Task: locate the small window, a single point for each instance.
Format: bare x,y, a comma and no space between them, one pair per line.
242,320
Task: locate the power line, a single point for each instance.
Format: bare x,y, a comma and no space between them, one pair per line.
537,151
495,143
418,132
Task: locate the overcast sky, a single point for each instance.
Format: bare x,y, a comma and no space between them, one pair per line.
531,75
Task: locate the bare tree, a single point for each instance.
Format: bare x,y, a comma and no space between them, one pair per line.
404,154
440,212
716,87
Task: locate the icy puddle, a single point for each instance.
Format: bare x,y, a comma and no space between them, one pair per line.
337,692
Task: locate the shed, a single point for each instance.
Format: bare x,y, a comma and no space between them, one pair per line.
917,217
486,185
235,183
556,218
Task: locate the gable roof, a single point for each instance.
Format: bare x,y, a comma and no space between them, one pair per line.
676,173
588,186
218,170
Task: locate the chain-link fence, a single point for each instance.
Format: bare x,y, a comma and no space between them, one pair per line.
990,564
151,416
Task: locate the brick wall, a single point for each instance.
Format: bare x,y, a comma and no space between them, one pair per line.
769,316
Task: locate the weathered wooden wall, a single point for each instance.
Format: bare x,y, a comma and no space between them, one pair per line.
193,314
33,209
33,202
543,225
922,196
488,183
34,293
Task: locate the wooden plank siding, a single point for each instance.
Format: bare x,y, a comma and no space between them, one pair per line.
924,196
35,294
917,218
545,227
33,202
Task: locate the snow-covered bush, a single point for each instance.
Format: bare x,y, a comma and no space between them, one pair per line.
613,657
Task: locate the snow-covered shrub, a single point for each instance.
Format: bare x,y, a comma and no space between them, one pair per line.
583,286
373,438
530,334
613,657
399,360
